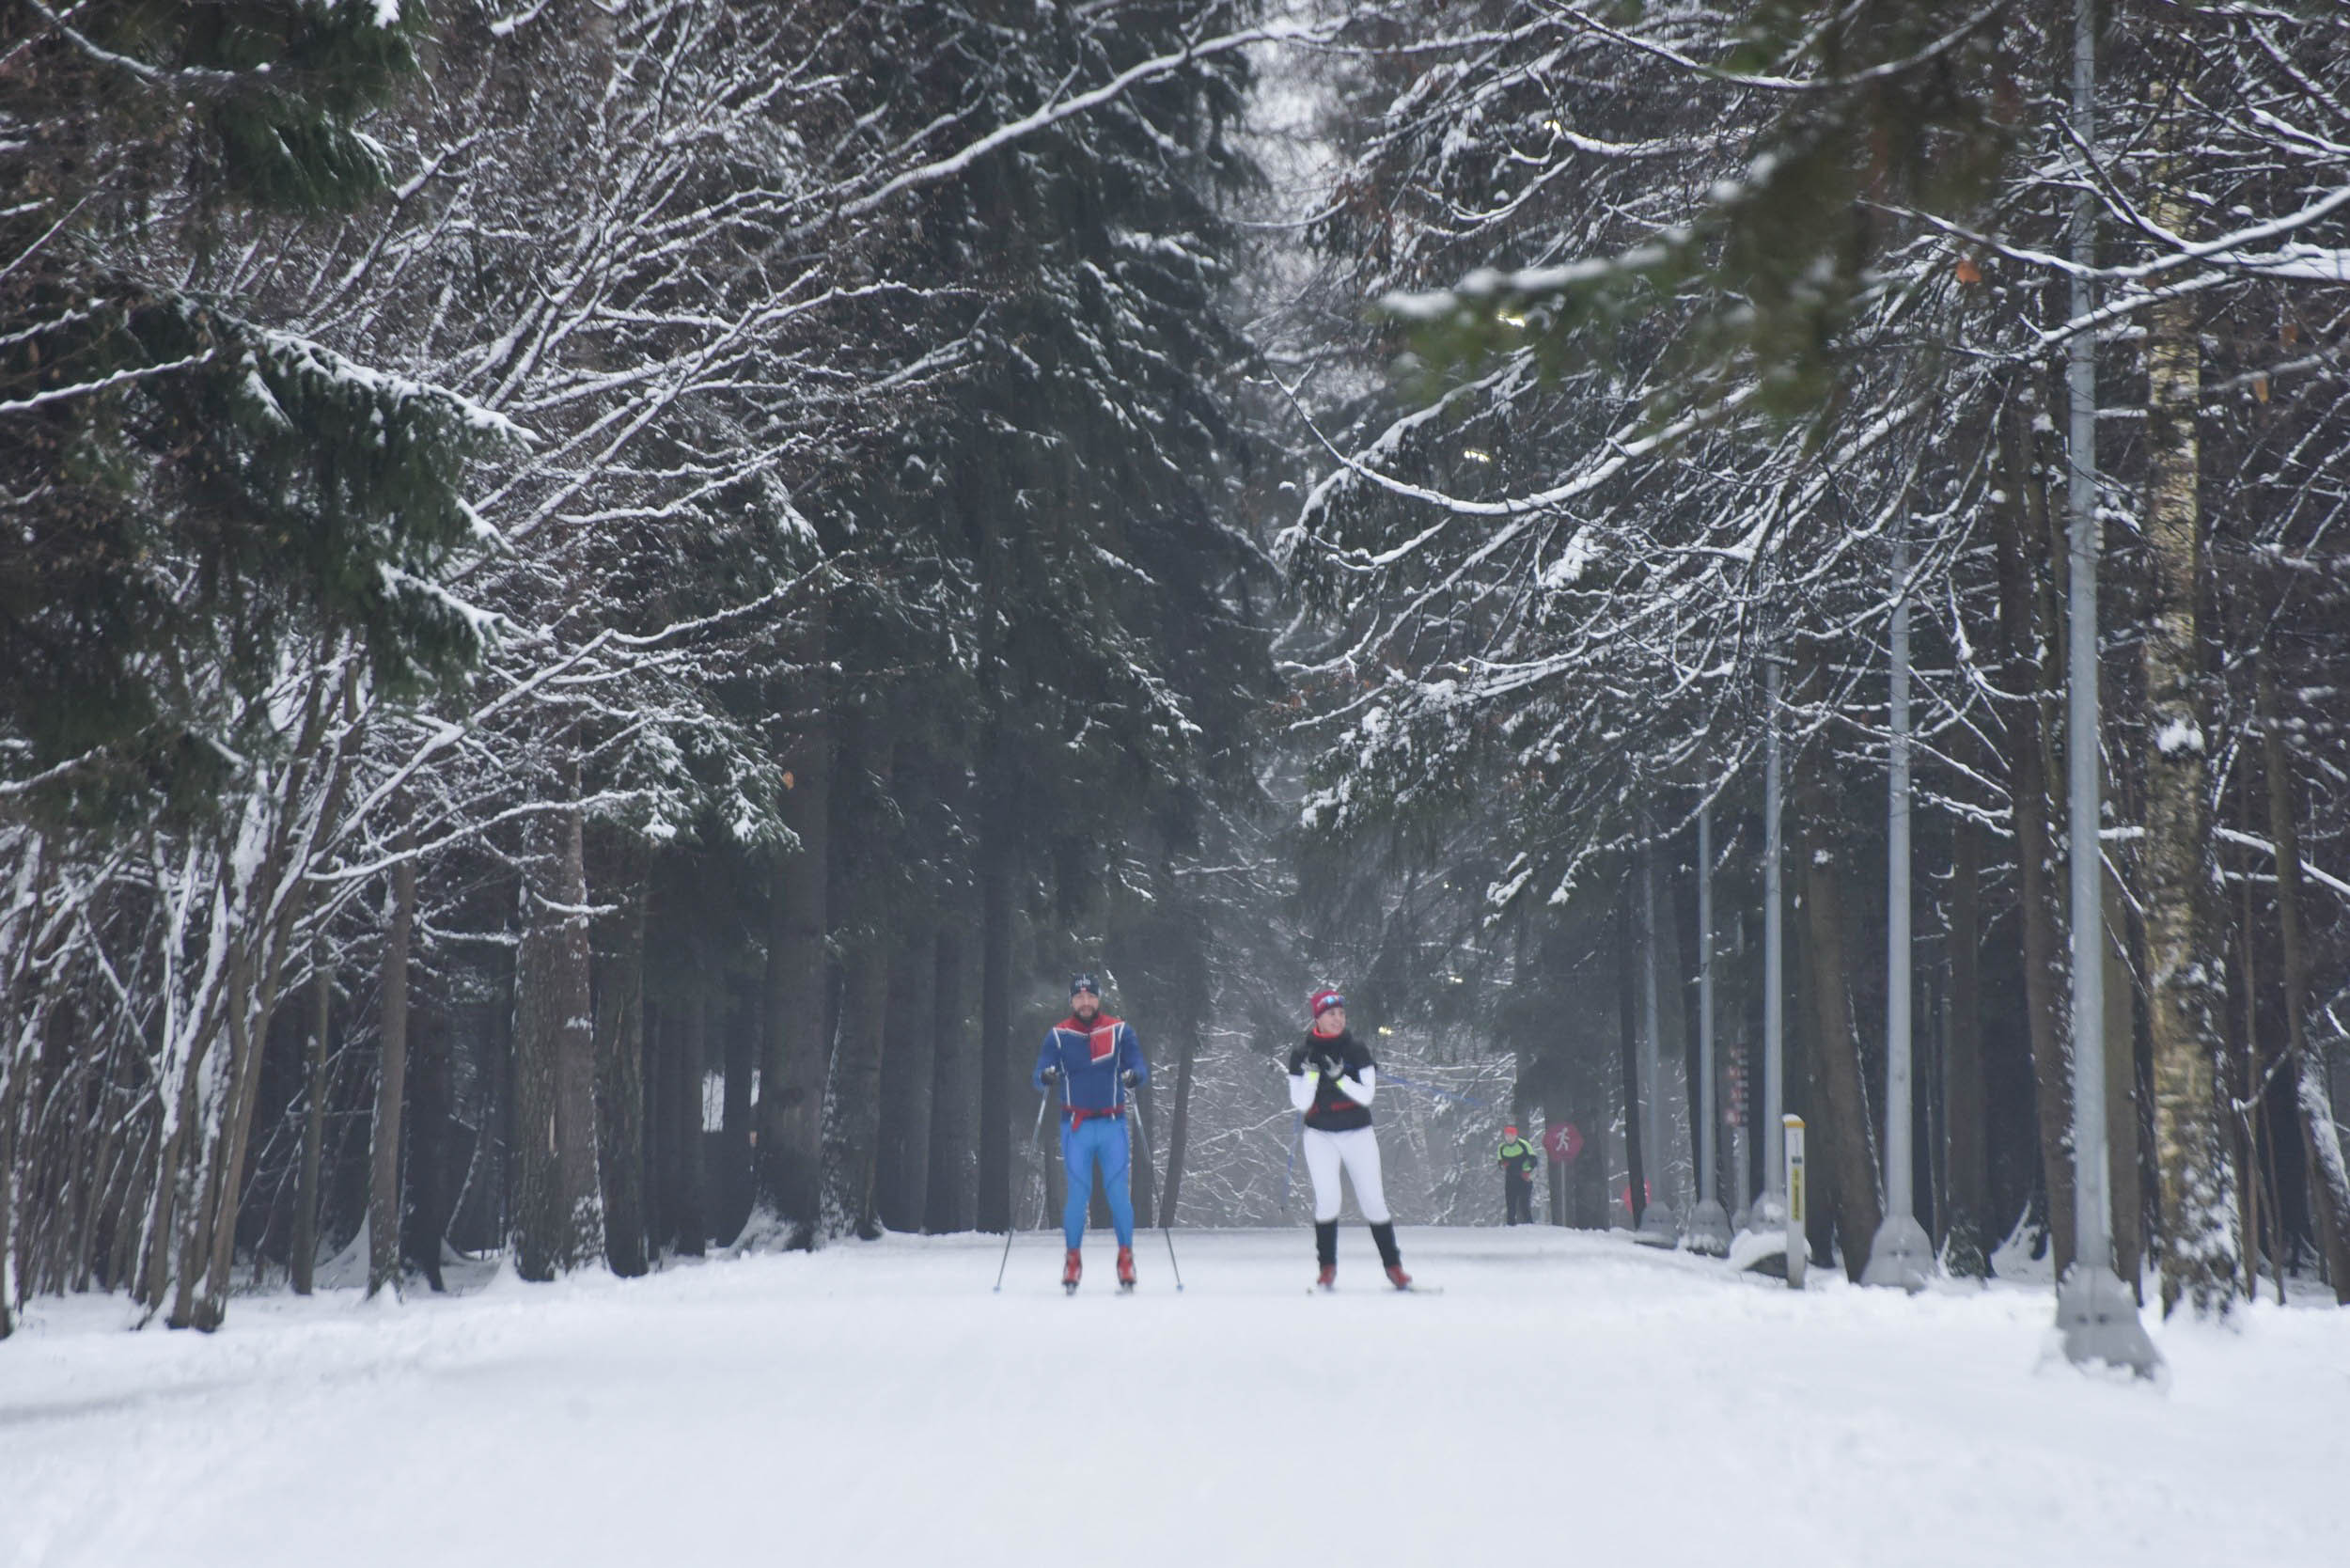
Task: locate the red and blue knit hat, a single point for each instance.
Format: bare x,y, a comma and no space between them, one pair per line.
1323,1000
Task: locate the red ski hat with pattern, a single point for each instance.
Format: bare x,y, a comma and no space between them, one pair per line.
1323,1000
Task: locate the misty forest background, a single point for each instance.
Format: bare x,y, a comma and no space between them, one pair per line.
601,600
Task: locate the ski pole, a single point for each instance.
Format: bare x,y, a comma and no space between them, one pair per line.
1034,1132
1166,1220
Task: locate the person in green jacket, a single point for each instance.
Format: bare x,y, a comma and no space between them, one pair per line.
1517,1176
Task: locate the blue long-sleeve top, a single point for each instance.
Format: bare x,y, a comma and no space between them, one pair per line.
1090,1056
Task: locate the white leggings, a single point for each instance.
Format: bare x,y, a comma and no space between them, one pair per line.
1357,1150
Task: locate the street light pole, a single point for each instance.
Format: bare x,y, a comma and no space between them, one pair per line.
2096,1314
1900,1254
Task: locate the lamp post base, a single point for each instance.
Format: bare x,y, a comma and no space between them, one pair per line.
1708,1231
2097,1316
1901,1255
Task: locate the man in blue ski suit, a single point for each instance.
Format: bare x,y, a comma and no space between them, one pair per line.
1095,1059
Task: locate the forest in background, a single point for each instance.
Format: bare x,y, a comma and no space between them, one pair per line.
601,602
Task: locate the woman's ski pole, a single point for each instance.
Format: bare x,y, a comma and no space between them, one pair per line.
1009,1224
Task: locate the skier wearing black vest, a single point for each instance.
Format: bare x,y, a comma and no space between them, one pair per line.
1332,1081
1517,1178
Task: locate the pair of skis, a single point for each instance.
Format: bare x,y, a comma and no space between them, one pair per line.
1415,1288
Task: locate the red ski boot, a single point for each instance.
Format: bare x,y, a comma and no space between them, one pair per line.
1328,1278
1071,1268
1125,1268
1397,1278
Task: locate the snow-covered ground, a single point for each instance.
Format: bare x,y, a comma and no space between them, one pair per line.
1570,1397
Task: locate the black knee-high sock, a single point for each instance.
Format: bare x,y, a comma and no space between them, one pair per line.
1326,1243
1383,1237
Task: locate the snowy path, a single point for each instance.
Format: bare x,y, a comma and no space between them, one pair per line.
1571,1397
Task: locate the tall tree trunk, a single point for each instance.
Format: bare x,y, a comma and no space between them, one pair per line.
429,1122
384,1207
733,1184
1178,1125
576,1062
946,1200
2199,1261
908,1050
2021,542
558,1212
853,1142
657,1071
1968,1181
795,1047
688,1200
619,1047
2120,1060
306,1231
1677,1088
2321,1141
12,1070
537,1210
1843,1137
866,768
995,1115
2248,1075
1628,1052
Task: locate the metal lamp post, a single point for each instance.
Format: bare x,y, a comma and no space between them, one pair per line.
2096,1314
1900,1254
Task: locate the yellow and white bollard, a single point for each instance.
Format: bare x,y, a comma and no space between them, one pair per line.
1798,1250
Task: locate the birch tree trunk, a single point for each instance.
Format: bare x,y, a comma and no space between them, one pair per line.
2199,1251
391,1082
2321,1141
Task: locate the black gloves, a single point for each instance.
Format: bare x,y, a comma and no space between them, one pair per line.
1129,1077
1051,1075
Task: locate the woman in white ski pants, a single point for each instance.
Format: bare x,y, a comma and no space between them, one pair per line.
1356,1152
1332,1083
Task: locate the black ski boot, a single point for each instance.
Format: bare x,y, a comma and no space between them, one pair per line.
1383,1237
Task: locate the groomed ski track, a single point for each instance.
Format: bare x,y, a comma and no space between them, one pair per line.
1570,1396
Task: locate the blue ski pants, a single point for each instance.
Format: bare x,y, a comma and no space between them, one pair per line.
1100,1143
